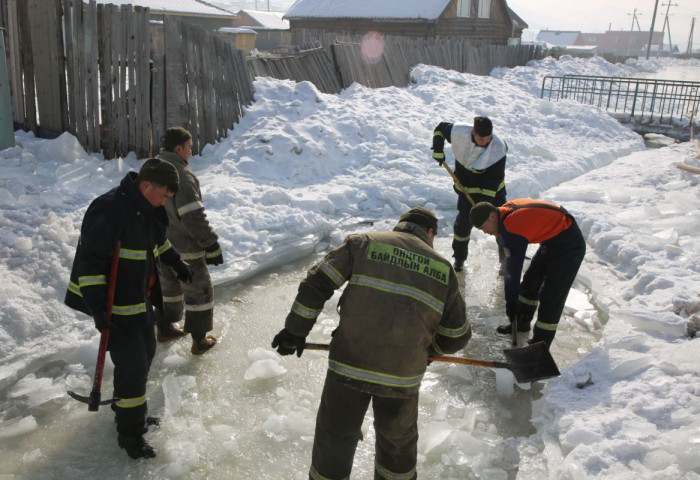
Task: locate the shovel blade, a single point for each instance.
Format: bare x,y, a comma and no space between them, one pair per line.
531,363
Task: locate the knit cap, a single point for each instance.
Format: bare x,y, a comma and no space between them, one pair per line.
159,171
420,216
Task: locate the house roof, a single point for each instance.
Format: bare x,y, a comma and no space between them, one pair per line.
558,37
267,20
195,7
384,9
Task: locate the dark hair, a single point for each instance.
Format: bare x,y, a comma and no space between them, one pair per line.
175,136
483,126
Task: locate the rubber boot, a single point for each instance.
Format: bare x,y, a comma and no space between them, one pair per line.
202,345
168,332
136,447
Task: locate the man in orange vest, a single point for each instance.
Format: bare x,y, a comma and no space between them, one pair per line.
553,268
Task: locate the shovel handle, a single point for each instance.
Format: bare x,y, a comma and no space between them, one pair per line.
458,183
436,358
96,393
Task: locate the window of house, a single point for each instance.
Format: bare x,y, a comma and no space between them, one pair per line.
464,8
484,9
616,39
633,40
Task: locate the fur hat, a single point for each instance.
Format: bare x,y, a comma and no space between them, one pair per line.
420,216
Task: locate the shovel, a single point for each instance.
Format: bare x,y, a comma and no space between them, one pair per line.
528,364
458,183
93,401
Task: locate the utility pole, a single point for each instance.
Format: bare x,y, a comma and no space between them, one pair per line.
670,44
635,19
7,131
651,32
689,48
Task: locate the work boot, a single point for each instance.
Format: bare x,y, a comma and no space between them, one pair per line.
153,421
202,345
458,265
507,329
169,332
136,447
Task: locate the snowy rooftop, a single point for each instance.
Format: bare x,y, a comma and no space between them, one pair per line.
426,9
556,37
176,6
268,20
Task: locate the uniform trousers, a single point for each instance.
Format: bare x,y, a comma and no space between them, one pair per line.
549,278
196,299
338,429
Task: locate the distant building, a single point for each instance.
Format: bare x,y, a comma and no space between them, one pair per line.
484,21
271,28
623,43
558,38
197,12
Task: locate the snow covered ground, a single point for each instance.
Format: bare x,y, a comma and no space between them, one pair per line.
300,171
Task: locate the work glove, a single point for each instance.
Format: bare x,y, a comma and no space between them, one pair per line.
286,343
183,271
100,319
214,255
439,157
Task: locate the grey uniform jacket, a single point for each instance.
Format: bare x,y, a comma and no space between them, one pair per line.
401,302
189,228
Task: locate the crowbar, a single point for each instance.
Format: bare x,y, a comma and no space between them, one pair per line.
93,401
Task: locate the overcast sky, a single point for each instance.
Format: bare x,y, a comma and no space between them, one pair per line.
589,16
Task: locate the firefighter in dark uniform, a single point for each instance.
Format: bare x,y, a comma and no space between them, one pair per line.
553,268
401,304
132,214
480,166
190,232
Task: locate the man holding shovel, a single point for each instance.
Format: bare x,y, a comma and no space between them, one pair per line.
553,268
480,165
401,304
129,219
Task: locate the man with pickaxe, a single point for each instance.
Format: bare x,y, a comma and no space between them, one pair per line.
479,175
114,279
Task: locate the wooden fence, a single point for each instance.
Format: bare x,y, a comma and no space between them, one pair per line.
117,82
106,84
343,62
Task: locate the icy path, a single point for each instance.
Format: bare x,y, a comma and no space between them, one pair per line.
242,412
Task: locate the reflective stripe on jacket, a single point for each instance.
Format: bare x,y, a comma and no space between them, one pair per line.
122,214
189,228
400,299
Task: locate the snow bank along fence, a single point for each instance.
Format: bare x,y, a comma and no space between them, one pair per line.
387,63
93,70
641,101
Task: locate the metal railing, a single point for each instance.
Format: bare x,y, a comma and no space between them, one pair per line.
669,102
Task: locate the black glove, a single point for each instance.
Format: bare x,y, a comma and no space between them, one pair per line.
101,321
286,343
183,271
439,157
214,255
